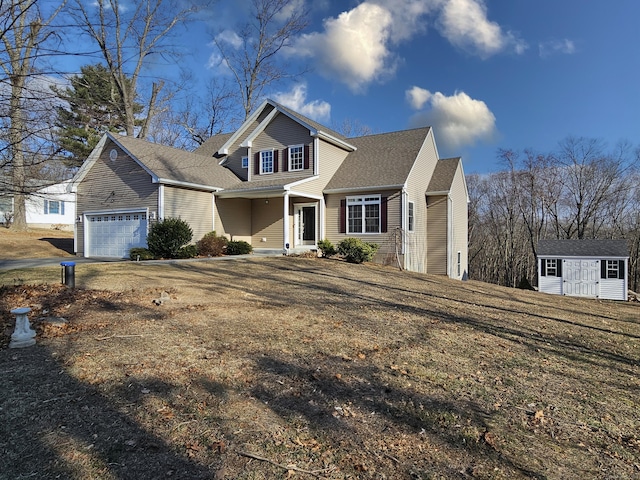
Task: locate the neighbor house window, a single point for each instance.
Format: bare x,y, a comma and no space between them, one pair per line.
266,161
411,219
245,162
459,263
551,267
296,158
53,207
363,214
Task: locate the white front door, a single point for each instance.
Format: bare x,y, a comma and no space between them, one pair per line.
581,277
305,224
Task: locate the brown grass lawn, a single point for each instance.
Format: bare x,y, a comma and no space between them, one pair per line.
35,243
313,368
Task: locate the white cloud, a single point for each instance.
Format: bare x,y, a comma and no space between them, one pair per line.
458,120
353,47
296,99
231,38
417,97
465,24
566,47
408,17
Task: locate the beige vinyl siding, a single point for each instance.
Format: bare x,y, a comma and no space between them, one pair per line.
280,134
388,241
193,206
233,218
417,184
267,226
437,207
331,157
112,185
459,225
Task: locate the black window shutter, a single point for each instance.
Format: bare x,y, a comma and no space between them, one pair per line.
383,214
543,267
285,159
306,157
275,161
256,163
603,269
559,269
343,216
621,269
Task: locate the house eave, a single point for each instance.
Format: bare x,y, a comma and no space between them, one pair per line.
364,189
195,186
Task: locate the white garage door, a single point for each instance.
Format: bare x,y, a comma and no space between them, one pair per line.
112,235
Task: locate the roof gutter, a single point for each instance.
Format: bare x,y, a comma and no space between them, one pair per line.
176,183
364,189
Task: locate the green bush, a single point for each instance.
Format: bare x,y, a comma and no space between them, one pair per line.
168,236
211,245
355,250
140,253
188,251
327,248
239,247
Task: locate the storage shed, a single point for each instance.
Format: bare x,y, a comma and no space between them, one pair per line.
584,268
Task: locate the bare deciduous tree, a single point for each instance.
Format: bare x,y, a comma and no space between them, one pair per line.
127,39
252,56
25,30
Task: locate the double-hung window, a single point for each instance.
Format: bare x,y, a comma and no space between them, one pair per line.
551,267
53,207
296,157
363,214
266,161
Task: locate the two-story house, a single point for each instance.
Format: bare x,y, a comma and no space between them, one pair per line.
282,182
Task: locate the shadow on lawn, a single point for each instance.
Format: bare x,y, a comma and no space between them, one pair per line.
54,426
318,395
65,244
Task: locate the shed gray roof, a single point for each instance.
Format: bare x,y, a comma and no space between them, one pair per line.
443,175
380,160
583,248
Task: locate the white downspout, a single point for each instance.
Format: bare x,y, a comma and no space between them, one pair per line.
213,211
160,201
287,243
450,237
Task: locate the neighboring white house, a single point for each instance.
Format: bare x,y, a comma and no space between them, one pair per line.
584,268
49,207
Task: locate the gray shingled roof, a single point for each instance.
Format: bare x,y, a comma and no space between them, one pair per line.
212,144
442,177
380,160
583,248
178,165
270,184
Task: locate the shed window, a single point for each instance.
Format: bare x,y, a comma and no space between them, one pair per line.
612,269
551,267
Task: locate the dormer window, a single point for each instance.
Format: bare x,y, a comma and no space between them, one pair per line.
266,161
296,158
245,162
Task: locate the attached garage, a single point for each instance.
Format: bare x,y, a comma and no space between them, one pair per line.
584,268
113,234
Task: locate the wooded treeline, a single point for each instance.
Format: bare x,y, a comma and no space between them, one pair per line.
584,189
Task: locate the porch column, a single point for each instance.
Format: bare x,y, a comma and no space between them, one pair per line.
286,221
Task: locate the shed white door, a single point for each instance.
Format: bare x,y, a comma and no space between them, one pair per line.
581,277
114,234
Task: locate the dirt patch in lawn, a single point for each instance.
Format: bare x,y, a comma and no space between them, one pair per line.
312,368
35,243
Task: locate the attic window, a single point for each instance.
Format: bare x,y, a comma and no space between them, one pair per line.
245,162
113,155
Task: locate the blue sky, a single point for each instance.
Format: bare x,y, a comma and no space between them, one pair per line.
485,74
